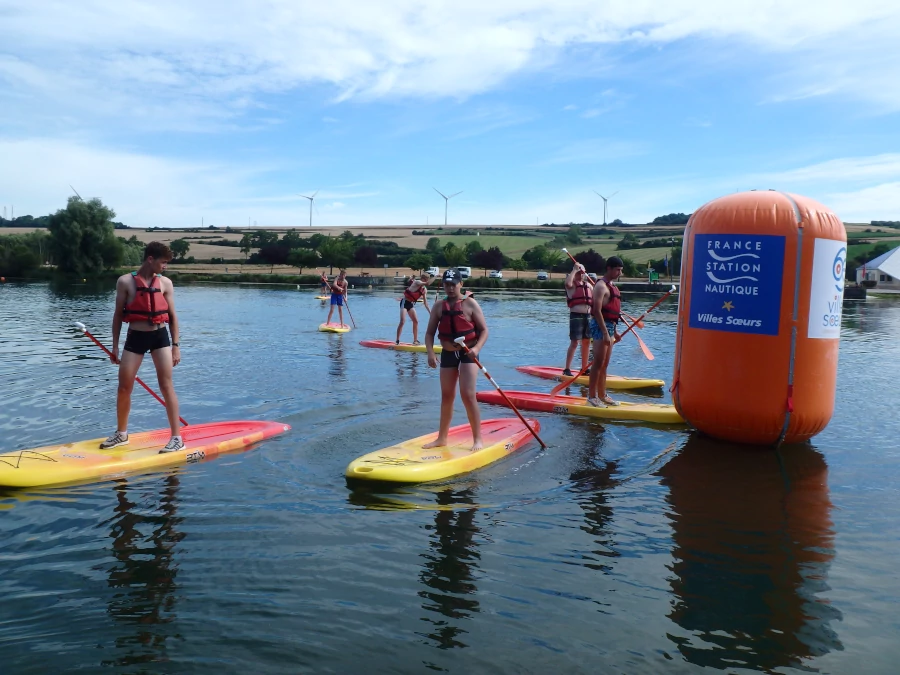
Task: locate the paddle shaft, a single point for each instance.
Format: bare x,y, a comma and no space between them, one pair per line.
502,393
137,379
347,305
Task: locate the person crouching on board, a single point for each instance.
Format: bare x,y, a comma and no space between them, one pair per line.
579,297
606,312
338,291
145,300
456,317
418,288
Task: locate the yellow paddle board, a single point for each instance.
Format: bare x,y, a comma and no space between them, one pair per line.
409,462
334,328
659,413
402,347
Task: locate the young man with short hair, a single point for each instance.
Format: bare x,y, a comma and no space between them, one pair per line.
338,292
146,301
417,289
456,317
606,313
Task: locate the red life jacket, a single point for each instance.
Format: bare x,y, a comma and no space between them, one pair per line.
149,304
582,295
612,310
454,324
323,278
413,297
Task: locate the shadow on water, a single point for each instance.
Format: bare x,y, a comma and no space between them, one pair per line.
752,544
448,571
144,572
337,362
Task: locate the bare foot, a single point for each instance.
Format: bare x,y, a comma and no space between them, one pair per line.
436,443
477,445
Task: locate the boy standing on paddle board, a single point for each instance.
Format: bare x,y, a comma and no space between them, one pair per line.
338,291
418,288
606,311
578,297
453,318
145,300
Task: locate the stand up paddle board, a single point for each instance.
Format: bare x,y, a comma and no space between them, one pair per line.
402,347
334,327
409,462
322,297
84,461
659,413
612,381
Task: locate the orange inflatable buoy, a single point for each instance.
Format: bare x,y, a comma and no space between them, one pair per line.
759,318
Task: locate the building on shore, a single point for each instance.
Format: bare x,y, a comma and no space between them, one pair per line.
884,270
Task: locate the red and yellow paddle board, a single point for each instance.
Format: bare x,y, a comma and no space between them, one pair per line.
409,462
84,461
402,347
659,413
612,381
334,328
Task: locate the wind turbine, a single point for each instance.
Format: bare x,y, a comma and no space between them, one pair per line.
76,192
446,201
605,200
311,200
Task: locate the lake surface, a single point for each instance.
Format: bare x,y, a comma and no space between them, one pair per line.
621,548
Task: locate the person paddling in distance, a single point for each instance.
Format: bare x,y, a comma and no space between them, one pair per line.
606,311
338,291
418,288
323,282
579,297
455,317
145,300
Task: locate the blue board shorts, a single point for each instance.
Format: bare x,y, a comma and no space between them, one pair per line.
337,299
597,334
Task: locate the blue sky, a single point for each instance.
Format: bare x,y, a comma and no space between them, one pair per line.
174,112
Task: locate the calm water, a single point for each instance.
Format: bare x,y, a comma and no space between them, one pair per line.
621,548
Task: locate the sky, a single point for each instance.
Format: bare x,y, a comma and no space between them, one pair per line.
180,114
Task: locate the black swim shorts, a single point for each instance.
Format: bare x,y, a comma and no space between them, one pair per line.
406,304
451,359
141,342
579,328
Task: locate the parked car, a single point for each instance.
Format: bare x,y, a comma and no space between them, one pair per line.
542,276
433,271
464,272
496,274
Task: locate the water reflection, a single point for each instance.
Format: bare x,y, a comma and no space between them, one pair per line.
144,542
408,365
337,362
753,541
448,572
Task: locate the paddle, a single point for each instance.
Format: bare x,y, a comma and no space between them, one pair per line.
461,342
641,343
562,385
347,305
83,329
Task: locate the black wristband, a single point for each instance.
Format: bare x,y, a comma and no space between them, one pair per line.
174,344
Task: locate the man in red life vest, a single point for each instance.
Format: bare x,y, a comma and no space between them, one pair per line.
145,300
338,291
323,282
605,315
456,317
578,297
418,288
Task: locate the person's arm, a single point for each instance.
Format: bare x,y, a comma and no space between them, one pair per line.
121,297
480,326
433,320
425,298
570,277
169,295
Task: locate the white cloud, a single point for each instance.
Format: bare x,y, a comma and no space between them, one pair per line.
593,150
877,202
170,64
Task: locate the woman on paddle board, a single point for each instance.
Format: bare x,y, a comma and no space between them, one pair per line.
418,288
453,318
338,291
605,315
146,301
579,296
323,283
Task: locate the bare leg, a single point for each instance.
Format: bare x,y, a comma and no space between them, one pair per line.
585,353
449,376
601,379
415,323
571,353
468,377
128,369
330,312
402,321
595,368
162,360
341,314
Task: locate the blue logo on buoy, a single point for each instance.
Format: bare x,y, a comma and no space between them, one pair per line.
837,269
